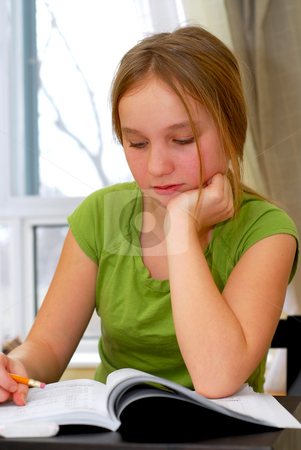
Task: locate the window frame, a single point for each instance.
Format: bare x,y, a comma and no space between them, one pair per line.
86,355
23,212
20,209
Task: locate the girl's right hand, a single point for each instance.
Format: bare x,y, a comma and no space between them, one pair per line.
9,387
214,206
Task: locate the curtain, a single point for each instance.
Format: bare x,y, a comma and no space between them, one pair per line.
267,38
212,15
159,15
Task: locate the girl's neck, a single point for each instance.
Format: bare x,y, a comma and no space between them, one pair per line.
153,211
153,222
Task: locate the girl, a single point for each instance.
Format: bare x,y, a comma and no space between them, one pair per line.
187,267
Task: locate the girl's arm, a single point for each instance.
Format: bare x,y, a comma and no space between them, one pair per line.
59,325
223,337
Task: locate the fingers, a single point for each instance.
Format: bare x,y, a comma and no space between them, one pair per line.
20,396
216,178
214,205
218,187
7,383
9,387
218,193
228,198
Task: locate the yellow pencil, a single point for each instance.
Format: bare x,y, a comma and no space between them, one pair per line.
29,381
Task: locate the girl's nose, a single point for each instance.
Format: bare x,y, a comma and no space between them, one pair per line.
159,162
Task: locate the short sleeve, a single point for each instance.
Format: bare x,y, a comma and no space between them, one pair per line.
268,221
96,223
85,225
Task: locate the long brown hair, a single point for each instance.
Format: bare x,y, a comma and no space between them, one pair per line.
193,63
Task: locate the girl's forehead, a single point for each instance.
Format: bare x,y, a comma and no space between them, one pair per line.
149,81
153,85
155,107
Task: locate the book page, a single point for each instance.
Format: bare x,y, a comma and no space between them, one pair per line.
243,404
263,407
119,381
241,401
119,376
63,399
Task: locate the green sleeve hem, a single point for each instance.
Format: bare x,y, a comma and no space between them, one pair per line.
79,239
255,238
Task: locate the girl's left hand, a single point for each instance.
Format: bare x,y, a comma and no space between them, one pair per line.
215,203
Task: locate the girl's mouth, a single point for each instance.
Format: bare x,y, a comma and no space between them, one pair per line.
167,188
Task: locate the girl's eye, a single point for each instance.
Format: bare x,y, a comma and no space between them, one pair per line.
138,144
184,141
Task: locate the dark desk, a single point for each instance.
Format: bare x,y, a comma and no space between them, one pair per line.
84,438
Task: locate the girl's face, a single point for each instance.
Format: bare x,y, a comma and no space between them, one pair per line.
159,144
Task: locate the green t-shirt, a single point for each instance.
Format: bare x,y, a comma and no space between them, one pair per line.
137,328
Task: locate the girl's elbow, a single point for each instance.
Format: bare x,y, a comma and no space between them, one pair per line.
214,392
217,388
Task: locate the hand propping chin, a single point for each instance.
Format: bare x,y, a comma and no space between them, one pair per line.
212,206
216,202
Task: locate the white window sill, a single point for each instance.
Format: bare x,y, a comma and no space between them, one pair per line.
86,355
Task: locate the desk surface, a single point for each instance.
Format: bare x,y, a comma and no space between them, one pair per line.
86,438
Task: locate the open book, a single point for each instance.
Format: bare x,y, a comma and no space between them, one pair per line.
90,402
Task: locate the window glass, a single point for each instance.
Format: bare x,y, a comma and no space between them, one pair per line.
76,62
48,242
5,283
57,61
48,245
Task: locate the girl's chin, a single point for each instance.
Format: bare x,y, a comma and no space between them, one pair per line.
159,200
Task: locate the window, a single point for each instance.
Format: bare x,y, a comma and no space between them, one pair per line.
48,242
6,288
57,60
